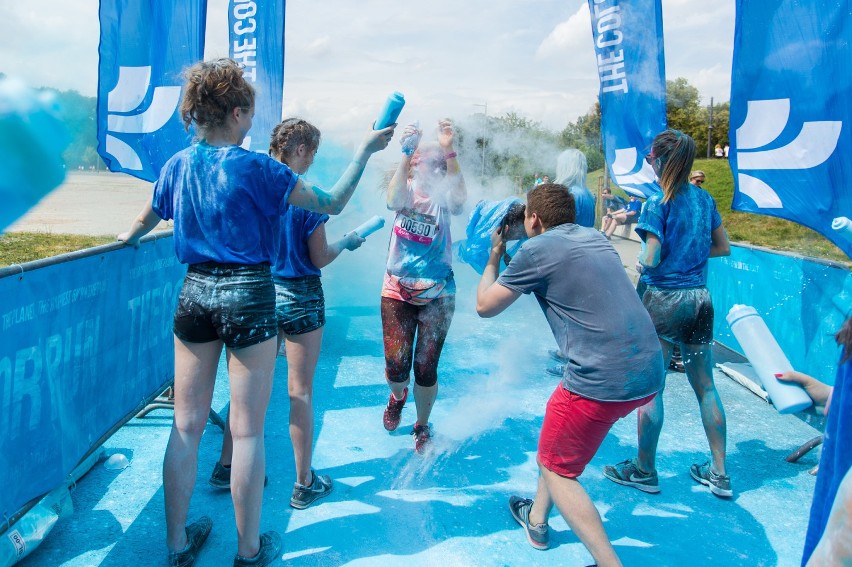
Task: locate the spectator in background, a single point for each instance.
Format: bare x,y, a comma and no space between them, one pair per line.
697,178
571,171
726,150
627,215
719,152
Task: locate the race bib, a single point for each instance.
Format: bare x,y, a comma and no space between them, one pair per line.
415,226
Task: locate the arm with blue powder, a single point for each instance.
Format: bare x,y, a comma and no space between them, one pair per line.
398,186
458,191
719,245
332,202
323,253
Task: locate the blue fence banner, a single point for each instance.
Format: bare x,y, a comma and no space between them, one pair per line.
628,38
791,121
145,47
84,343
256,32
804,303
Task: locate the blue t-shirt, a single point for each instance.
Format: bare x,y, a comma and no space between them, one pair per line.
225,202
836,457
683,226
584,202
296,226
634,207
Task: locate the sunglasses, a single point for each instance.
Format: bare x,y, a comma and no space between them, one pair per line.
698,181
650,158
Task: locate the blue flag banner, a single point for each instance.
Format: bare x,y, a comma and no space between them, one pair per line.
145,47
628,38
256,32
85,341
790,113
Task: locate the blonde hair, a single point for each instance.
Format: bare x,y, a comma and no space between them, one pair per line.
675,153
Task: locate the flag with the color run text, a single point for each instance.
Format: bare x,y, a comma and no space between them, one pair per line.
256,34
144,48
791,114
628,41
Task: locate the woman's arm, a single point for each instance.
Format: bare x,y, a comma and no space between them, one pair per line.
142,225
649,256
719,245
398,187
314,198
458,191
322,253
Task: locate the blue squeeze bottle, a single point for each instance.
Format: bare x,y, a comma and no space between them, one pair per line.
390,112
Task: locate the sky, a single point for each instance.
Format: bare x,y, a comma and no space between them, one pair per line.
450,58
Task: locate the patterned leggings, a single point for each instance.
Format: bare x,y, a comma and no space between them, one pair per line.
430,322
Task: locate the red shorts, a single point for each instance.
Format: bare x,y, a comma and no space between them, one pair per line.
574,428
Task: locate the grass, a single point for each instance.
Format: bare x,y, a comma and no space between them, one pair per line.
20,247
758,230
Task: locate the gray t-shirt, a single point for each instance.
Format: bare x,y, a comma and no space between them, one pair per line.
595,314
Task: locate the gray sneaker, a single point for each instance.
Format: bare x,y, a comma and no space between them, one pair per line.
628,474
270,550
221,477
196,535
537,534
719,484
303,496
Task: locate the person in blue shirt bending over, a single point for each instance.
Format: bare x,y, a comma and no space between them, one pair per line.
680,228
571,171
300,305
226,202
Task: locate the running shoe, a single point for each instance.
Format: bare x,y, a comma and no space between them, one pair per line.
422,435
628,474
393,413
719,484
303,496
537,534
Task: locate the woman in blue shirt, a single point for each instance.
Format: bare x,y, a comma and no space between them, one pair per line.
225,202
300,307
571,171
680,228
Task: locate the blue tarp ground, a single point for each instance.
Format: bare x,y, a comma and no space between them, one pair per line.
450,508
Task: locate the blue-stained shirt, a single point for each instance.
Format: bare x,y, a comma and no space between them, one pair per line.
584,202
836,458
296,226
634,206
683,226
225,202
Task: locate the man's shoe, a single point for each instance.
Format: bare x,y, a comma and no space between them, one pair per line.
221,477
719,484
196,535
628,474
304,496
558,370
270,550
393,413
556,355
422,436
538,535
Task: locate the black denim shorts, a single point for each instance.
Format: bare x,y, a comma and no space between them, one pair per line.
299,304
233,303
681,315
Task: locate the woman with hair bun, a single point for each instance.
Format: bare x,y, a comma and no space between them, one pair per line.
225,202
680,228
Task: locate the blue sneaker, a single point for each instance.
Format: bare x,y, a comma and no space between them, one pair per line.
628,473
269,552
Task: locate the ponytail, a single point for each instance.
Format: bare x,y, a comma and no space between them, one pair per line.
676,153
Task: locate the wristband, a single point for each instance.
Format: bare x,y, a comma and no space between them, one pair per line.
450,155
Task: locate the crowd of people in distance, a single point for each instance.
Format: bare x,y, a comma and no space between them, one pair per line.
251,230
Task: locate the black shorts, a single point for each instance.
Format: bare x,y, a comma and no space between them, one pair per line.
681,315
233,303
299,304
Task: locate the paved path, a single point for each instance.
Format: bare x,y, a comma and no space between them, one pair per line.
449,507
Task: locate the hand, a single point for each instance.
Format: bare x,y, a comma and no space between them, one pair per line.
498,243
377,140
820,393
351,241
125,237
446,134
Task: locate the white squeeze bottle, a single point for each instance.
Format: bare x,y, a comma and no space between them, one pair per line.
767,359
370,226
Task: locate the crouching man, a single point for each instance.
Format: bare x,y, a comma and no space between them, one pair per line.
614,363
